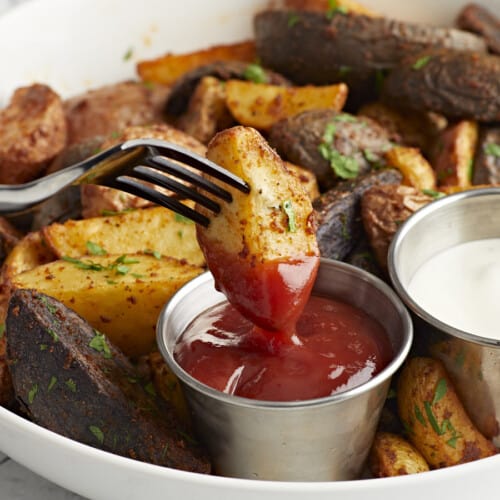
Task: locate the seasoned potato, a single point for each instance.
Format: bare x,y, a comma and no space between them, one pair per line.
416,170
167,385
454,159
271,225
155,230
9,237
207,112
261,105
391,455
168,68
436,421
306,178
383,209
120,295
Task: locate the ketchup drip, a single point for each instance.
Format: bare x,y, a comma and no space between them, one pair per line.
336,347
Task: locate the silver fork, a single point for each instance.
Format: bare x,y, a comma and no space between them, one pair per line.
123,167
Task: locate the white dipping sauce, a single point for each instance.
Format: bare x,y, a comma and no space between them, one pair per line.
460,286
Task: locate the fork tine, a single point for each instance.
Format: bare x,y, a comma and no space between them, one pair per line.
149,175
137,188
169,167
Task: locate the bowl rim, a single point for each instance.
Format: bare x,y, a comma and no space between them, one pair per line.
395,248
396,361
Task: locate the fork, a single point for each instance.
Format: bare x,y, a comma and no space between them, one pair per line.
123,167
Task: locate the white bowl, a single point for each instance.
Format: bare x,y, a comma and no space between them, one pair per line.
76,44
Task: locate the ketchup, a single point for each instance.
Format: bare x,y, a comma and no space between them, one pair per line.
335,347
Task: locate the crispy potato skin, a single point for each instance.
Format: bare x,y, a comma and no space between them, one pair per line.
154,229
454,158
391,455
168,68
416,170
254,232
383,209
261,105
123,306
32,132
437,423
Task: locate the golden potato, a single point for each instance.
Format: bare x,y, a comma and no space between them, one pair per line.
434,417
155,230
260,105
391,455
120,295
246,242
168,68
454,158
416,170
306,178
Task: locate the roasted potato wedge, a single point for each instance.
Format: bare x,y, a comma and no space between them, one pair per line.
261,105
170,67
207,112
306,178
120,295
272,224
392,455
454,159
416,170
383,209
155,230
434,417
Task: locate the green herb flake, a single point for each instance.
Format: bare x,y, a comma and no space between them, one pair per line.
255,73
343,166
329,134
52,383
441,389
290,213
180,234
53,334
2,330
344,71
45,301
421,62
432,419
371,157
107,213
124,259
344,117
71,384
334,8
122,269
43,347
128,55
154,253
149,388
392,392
95,249
99,344
138,276
96,431
164,452
87,265
453,441
183,219
419,416
32,393
111,282
433,194
492,149
293,19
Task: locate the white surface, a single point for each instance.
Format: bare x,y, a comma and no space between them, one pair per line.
460,286
75,44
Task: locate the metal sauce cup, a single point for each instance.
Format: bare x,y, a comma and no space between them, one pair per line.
315,440
473,362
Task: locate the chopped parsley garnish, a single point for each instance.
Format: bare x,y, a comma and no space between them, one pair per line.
99,344
50,307
290,213
128,54
107,213
433,194
99,435
432,419
371,157
335,8
183,219
95,249
419,416
421,62
53,334
441,389
87,265
255,73
492,149
119,265
71,384
154,253
149,388
2,330
52,383
344,117
32,393
43,347
293,19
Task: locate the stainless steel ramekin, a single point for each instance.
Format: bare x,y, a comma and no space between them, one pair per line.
473,362
315,440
